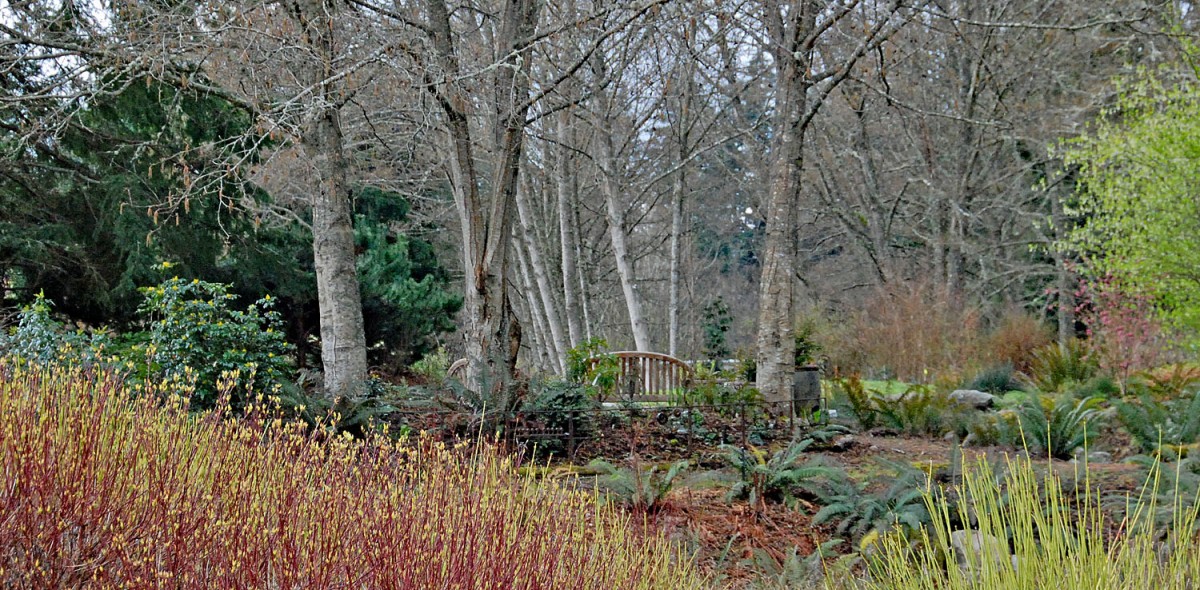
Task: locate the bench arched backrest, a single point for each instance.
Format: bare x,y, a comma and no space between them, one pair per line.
651,376
646,376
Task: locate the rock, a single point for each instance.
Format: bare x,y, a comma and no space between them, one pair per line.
843,443
1094,456
974,547
980,400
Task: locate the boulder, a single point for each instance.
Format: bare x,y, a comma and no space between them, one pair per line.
843,443
981,400
1094,456
972,548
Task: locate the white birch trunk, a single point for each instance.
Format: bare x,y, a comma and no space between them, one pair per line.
543,350
568,236
616,230
549,310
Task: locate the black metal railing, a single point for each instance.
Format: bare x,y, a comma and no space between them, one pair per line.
665,429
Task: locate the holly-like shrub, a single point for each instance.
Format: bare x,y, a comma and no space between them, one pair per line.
194,329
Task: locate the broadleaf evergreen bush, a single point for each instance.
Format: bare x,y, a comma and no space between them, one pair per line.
194,326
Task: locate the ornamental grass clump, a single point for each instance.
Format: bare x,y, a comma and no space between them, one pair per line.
1026,531
99,489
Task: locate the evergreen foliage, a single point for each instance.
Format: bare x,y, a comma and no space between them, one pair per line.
773,478
1056,366
194,330
858,512
715,324
1058,426
642,489
1167,427
90,219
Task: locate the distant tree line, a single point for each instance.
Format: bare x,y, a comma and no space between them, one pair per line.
597,168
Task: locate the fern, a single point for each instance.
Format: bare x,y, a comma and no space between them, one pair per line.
861,404
922,411
1056,366
1171,381
825,434
642,489
1180,480
1058,427
858,512
356,417
773,478
1163,428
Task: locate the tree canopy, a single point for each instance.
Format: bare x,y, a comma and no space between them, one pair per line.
1139,195
78,223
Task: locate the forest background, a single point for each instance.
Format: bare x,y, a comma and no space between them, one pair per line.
509,180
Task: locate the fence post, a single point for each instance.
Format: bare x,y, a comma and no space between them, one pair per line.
742,420
792,418
571,433
691,414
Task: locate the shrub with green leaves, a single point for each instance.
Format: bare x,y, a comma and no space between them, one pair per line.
774,478
994,428
1056,426
194,328
39,338
998,379
1101,386
560,406
591,364
1162,427
433,366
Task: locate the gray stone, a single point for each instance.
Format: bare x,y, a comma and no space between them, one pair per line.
844,443
982,547
981,400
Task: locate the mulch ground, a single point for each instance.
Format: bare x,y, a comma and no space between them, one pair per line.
734,538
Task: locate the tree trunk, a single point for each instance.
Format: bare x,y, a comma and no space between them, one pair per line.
541,277
491,334
343,339
1065,280
678,192
567,234
616,230
541,346
776,339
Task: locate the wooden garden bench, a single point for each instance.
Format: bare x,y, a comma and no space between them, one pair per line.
457,370
651,376
643,376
